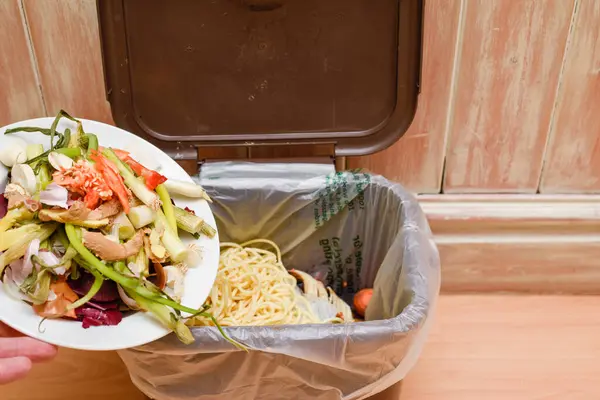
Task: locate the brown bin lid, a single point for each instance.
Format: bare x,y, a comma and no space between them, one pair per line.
189,73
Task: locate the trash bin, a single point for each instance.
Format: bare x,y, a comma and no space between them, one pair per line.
365,231
265,98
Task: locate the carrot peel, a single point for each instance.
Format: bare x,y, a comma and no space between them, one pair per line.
112,177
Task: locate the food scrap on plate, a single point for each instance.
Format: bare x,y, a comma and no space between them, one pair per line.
89,234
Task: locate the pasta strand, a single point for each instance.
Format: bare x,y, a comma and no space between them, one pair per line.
253,287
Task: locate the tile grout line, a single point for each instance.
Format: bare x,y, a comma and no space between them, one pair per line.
32,56
458,47
557,94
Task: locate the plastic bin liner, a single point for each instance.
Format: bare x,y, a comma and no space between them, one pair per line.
353,229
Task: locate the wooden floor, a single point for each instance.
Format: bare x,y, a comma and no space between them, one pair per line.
482,346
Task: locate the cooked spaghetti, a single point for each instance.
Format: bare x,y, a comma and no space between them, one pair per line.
254,288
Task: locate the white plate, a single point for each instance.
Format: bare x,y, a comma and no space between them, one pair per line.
139,328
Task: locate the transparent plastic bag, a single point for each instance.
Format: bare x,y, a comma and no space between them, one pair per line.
351,230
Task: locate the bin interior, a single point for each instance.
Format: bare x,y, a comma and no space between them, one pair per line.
344,249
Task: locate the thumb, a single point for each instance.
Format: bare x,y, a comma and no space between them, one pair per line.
26,347
7,331
12,369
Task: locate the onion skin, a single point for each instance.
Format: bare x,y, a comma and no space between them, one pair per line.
161,275
361,301
129,302
13,150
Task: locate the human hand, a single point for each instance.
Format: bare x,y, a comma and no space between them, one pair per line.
18,353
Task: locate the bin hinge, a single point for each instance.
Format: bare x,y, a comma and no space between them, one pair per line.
321,153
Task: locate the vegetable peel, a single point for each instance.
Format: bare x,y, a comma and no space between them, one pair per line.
72,216
111,176
147,196
108,250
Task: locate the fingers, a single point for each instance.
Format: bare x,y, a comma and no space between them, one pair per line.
26,347
12,369
7,331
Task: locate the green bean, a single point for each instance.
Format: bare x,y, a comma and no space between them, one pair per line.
164,315
61,114
29,129
71,152
92,141
125,281
167,207
96,286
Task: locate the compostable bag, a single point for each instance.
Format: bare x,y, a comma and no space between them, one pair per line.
355,230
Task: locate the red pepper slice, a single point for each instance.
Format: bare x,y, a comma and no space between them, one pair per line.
151,178
91,200
113,179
